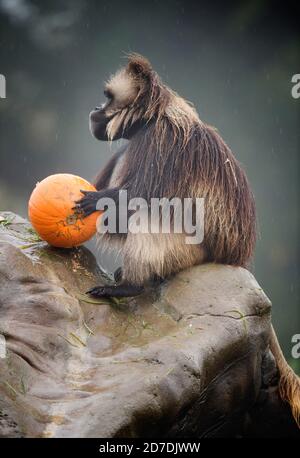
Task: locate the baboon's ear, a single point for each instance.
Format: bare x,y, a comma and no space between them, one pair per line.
139,66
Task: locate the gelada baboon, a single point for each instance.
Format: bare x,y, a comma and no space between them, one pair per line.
172,153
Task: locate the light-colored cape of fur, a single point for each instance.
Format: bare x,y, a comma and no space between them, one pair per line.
178,155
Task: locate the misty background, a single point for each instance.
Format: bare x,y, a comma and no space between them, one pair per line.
233,61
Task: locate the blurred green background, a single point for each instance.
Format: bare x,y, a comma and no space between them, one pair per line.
234,61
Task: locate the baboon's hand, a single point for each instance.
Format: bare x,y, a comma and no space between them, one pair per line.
87,204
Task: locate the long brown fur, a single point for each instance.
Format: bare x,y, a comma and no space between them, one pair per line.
289,382
175,154
178,155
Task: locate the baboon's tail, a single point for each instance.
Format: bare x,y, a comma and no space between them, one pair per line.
289,383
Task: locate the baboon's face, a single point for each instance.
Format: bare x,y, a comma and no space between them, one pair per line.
120,116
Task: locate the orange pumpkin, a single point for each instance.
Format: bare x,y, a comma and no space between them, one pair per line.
51,215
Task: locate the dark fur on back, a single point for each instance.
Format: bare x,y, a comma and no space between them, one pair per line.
175,154
172,153
206,168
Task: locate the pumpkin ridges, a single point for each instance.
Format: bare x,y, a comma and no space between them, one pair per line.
50,211
34,209
56,187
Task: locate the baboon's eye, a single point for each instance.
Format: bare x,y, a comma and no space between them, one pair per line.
108,94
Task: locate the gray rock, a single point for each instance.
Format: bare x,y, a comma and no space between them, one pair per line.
190,359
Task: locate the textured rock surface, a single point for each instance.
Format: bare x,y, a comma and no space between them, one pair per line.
189,359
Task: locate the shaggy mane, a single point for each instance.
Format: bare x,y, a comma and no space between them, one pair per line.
154,102
175,154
